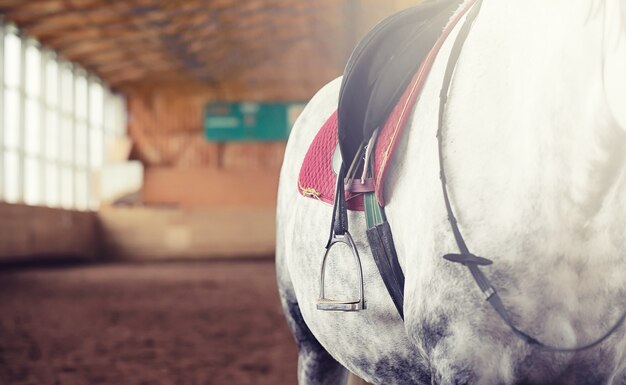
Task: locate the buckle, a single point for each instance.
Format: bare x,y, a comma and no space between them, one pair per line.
327,304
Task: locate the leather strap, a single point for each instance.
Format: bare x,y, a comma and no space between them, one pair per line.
339,224
384,252
471,261
355,185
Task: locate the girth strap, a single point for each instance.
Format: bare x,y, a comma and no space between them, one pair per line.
384,251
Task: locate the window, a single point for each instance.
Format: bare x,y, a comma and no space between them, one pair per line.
12,99
56,121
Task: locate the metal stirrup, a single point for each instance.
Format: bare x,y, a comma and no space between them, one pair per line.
327,304
339,234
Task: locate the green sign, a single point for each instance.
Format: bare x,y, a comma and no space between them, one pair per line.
249,121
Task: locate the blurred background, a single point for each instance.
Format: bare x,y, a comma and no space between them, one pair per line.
140,146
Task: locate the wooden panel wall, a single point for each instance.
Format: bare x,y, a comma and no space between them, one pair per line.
27,232
209,187
149,233
30,233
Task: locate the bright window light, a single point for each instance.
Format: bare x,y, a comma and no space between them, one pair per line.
32,181
12,59
51,136
33,70
82,190
96,152
81,145
11,118
67,88
52,82
67,188
57,119
32,124
96,103
52,185
67,140
81,96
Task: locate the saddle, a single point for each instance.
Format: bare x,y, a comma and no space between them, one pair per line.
380,79
381,67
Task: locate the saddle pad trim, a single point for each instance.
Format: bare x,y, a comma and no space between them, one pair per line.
317,177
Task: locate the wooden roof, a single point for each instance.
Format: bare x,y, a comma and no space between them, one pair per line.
257,43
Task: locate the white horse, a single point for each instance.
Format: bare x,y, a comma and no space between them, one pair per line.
535,152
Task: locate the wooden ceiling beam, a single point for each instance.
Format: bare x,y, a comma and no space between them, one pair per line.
111,59
72,15
218,50
104,58
154,60
29,9
126,79
253,59
96,62
34,12
121,37
87,47
112,71
124,76
81,50
43,31
251,35
62,22
17,4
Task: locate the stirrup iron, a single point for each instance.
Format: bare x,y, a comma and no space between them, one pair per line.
327,304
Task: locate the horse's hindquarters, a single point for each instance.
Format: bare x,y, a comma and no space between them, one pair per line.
371,343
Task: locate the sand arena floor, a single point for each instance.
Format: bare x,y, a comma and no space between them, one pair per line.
186,323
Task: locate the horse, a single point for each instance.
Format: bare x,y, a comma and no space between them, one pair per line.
535,154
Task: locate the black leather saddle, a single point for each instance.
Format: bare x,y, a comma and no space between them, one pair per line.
380,68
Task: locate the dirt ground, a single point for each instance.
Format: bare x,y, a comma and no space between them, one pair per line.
173,323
